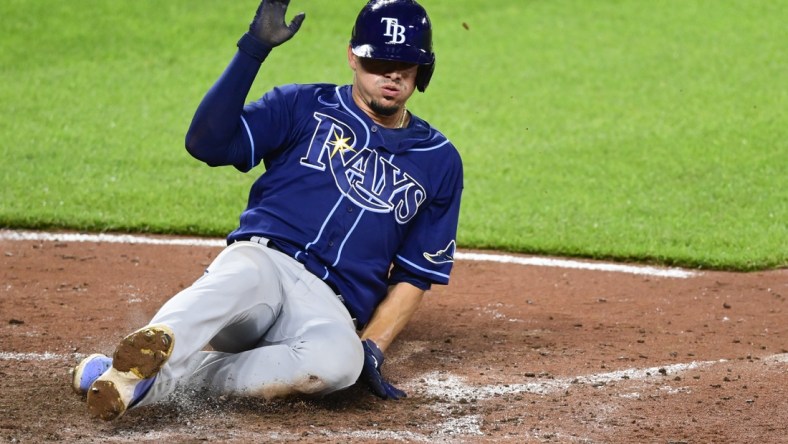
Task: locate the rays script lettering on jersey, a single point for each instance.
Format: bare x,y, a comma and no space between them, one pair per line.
361,174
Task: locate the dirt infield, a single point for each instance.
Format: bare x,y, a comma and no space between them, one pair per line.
506,353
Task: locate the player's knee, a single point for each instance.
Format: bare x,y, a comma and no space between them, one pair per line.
323,380
336,364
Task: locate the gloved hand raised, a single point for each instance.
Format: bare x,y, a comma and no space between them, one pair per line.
373,360
269,25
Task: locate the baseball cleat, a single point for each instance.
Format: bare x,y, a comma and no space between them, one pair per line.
135,363
87,371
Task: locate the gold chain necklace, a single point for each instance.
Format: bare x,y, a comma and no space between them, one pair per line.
402,117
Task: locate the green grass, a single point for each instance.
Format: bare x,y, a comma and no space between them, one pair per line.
629,130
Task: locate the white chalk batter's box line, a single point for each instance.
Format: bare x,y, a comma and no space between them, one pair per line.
462,256
455,388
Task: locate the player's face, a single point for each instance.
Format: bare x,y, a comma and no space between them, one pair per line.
382,86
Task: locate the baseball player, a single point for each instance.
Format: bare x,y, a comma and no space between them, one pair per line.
352,221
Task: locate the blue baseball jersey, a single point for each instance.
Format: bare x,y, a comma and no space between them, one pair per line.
360,205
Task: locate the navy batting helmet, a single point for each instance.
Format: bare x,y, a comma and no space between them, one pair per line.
398,30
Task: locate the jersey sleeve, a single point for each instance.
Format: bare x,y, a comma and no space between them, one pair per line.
212,136
427,255
225,132
269,123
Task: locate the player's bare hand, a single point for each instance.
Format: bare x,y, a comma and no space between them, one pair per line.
269,24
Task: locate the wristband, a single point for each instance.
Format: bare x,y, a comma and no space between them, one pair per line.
253,47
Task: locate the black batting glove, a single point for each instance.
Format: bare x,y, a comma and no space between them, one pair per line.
269,25
373,360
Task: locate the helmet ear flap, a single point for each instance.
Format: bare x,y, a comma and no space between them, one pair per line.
423,76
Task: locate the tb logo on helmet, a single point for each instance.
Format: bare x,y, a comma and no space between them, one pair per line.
394,30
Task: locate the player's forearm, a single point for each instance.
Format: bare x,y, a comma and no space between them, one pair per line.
393,314
218,117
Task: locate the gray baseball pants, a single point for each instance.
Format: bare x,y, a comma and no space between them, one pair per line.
274,329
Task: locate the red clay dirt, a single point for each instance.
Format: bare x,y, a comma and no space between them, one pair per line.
505,353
